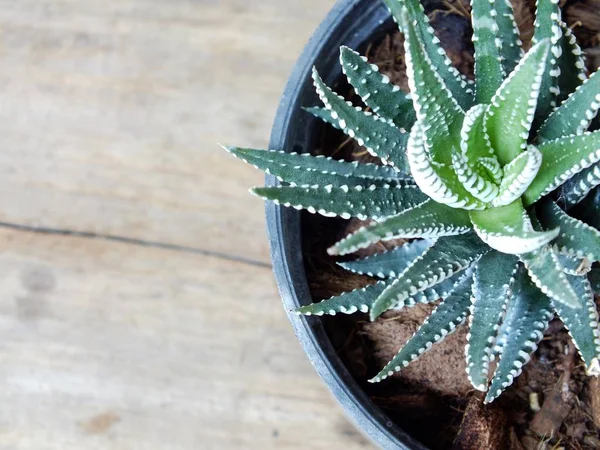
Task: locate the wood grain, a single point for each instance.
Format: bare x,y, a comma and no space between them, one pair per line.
109,345
109,117
110,114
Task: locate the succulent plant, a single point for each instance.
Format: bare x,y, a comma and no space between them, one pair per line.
479,175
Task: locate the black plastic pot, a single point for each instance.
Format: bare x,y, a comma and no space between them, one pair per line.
353,23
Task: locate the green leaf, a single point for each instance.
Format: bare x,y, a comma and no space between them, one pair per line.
489,71
561,159
508,230
447,256
362,299
306,170
375,89
475,145
547,26
491,289
518,175
570,63
576,188
417,20
575,114
436,135
582,323
575,238
324,114
451,313
527,318
511,51
546,272
390,263
380,138
511,113
427,220
348,303
376,202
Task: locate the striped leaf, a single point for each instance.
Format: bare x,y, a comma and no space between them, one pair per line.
489,71
527,318
570,63
416,20
375,89
510,45
446,257
390,263
306,170
575,238
575,114
518,175
376,202
491,290
443,321
547,26
427,220
511,112
561,159
507,229
582,323
576,188
546,272
380,138
436,135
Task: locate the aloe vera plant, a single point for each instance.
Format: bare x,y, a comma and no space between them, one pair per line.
479,174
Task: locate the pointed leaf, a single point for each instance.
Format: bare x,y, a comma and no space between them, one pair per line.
575,114
575,238
306,170
570,64
374,202
375,89
561,159
507,229
518,175
582,323
489,72
427,220
547,26
324,114
512,110
527,318
348,303
576,188
417,20
390,263
511,51
380,138
491,289
546,272
451,313
475,146
435,136
447,256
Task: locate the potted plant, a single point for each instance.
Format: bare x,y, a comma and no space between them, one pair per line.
480,179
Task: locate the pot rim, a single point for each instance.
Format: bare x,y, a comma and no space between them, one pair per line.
283,224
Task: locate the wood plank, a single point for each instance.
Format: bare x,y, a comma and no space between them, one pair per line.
109,345
111,112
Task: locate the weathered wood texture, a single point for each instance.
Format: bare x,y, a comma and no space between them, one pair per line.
110,113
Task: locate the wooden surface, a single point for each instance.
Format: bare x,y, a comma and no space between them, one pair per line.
159,326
